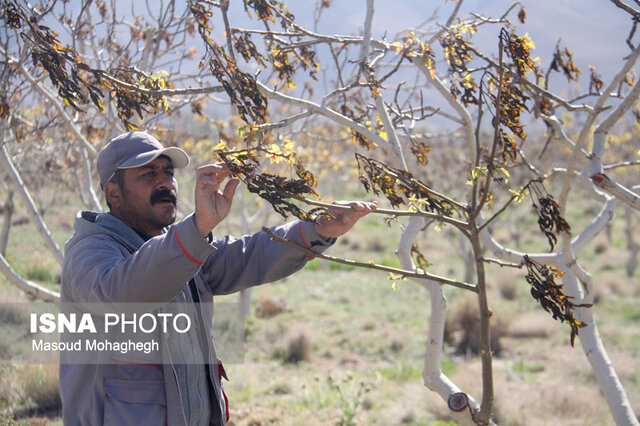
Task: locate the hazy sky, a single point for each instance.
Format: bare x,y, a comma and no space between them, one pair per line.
594,30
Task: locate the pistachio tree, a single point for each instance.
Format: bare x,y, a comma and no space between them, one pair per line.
288,82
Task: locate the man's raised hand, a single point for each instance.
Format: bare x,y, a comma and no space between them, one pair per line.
212,204
340,221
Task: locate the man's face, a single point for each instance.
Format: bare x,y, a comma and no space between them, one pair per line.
149,196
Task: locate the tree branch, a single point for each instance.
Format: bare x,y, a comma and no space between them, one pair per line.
611,187
458,223
324,111
28,201
66,118
366,39
432,374
425,275
29,287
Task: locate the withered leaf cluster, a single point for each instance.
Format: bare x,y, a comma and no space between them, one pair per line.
357,137
264,9
421,151
79,84
550,295
411,47
512,102
139,93
508,146
284,57
595,82
457,51
240,86
522,15
276,190
563,61
392,182
372,82
419,258
543,106
469,88
4,107
280,60
247,48
11,14
550,221
517,49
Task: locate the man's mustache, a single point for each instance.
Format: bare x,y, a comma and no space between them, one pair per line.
164,195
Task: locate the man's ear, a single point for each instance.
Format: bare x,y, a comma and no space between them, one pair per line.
113,194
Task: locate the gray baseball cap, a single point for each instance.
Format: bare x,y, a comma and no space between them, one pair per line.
135,149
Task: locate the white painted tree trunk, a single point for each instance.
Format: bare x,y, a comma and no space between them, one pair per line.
6,225
432,374
244,303
88,187
589,336
20,187
596,353
632,244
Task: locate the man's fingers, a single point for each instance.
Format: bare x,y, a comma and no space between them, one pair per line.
358,208
230,188
219,170
206,181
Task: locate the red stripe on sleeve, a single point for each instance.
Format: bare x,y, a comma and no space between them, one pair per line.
224,394
304,242
186,253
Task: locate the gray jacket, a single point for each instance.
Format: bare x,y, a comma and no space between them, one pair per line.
107,261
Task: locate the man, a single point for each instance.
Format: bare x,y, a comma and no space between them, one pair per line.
135,253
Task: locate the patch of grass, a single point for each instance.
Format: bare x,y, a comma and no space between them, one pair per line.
39,272
313,265
316,264
526,369
40,384
8,420
13,313
631,312
9,391
348,393
335,266
391,261
399,373
372,222
448,367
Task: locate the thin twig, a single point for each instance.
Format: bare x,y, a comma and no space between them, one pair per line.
402,272
430,191
501,263
164,92
392,212
623,164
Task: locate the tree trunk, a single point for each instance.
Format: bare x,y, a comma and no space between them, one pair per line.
6,226
432,374
88,187
597,355
244,304
632,245
28,201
